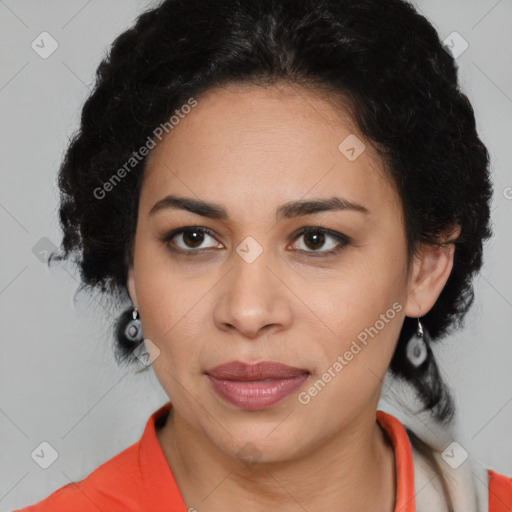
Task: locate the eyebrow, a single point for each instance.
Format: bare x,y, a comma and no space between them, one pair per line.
285,211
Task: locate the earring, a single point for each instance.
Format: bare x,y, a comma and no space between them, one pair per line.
417,351
129,329
133,329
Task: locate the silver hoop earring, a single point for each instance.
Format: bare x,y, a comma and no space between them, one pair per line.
417,352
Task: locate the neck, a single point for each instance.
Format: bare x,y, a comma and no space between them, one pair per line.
353,471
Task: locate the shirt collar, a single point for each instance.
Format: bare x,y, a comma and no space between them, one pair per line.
403,461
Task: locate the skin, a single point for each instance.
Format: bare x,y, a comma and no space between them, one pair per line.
251,149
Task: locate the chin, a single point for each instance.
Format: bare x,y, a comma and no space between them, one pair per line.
255,445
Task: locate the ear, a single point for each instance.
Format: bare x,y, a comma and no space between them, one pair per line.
431,269
130,284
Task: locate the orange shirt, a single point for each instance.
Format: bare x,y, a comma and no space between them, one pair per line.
139,479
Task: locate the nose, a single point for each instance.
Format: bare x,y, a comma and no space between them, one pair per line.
254,300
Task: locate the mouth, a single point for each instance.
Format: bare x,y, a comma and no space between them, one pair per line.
255,386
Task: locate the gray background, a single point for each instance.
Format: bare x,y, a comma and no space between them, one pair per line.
59,382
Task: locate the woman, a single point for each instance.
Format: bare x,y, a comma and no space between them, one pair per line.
294,198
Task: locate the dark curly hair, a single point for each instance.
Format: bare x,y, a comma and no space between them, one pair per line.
383,60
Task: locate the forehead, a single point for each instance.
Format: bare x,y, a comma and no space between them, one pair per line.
255,145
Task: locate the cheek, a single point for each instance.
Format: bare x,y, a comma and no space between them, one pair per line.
161,292
173,312
358,311
352,362
171,323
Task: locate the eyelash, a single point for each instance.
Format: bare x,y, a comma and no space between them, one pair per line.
342,239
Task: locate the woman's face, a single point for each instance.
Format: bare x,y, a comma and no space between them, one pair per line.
255,289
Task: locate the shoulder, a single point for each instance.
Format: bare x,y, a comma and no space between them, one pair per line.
138,478
67,497
112,486
492,490
500,492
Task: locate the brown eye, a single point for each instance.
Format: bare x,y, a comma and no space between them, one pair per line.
189,239
318,238
193,238
314,240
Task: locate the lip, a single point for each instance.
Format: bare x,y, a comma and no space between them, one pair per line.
237,370
255,386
